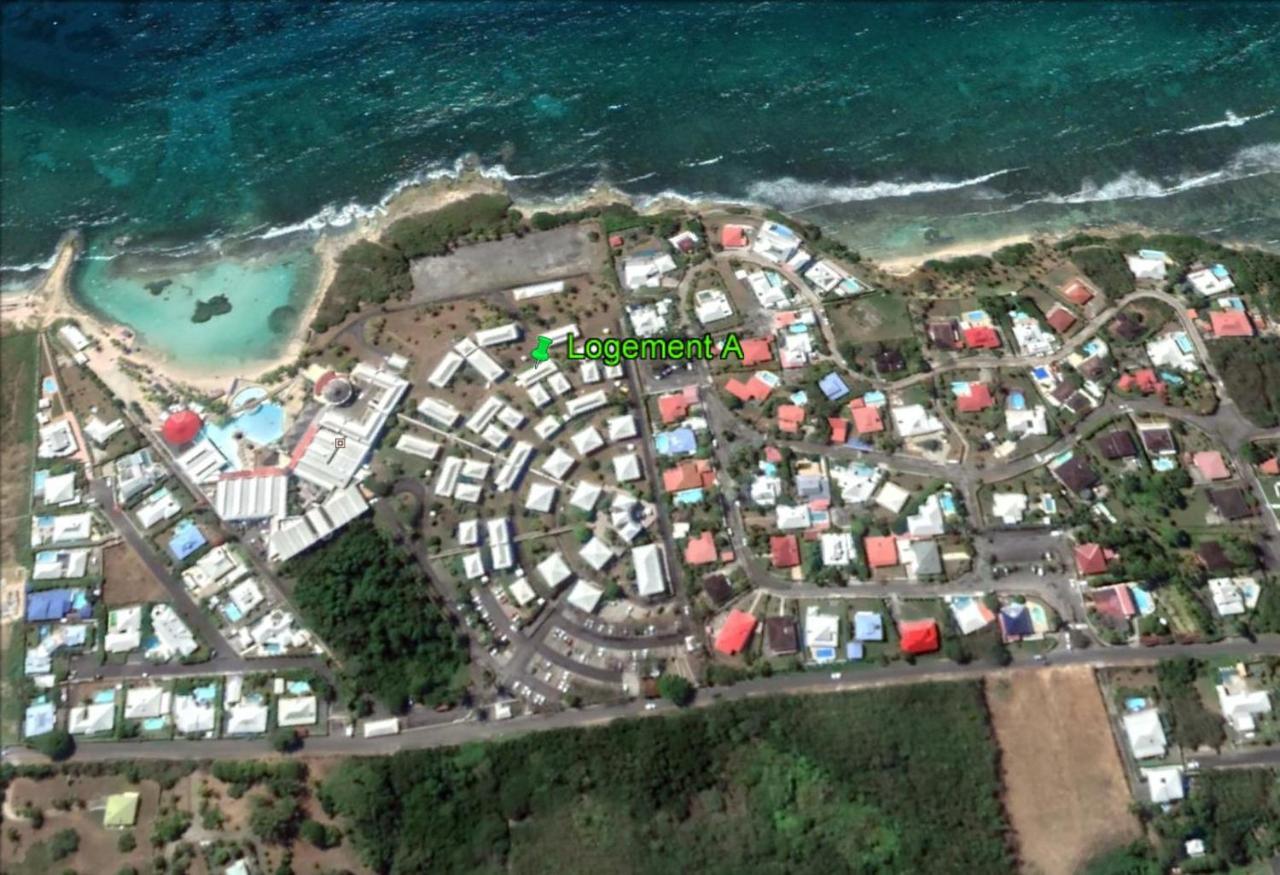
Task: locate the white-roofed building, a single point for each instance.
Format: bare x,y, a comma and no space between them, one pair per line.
596,553
145,703
914,420
509,333
124,629
1165,784
554,570
156,508
60,564
513,466
100,432
73,337
585,596
541,497
558,464
252,495
585,495
1146,267
523,594
585,403
442,413
1242,705
468,532
57,440
296,711
538,290
821,633
501,551
651,573
929,520
1009,507
587,441
295,534
203,462
775,242
892,497
711,305
626,467
621,428
640,271
443,373
1211,281
245,718
172,634
92,719
793,517
60,489
416,445
246,596
1145,734
69,528
192,716
473,565
837,549
136,473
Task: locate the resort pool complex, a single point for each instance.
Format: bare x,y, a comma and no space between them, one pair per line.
247,396
263,425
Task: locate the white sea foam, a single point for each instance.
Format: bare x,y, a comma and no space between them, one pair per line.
704,163
1252,161
29,266
789,193
1231,121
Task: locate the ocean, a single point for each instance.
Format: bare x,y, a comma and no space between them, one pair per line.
187,129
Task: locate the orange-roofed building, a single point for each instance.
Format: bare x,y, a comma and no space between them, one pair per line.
733,236
867,420
1060,319
772,454
882,551
1147,381
1271,467
790,418
675,406
839,429
756,351
918,636
701,550
978,399
615,240
784,551
694,474
735,633
1230,323
1211,465
981,337
1093,558
1077,293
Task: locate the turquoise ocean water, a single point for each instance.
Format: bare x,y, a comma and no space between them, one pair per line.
195,130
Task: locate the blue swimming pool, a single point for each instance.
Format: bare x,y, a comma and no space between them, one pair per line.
299,688
824,654
263,425
689,496
50,385
232,613
155,724
1017,401
104,697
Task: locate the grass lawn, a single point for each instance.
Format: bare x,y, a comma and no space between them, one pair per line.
879,316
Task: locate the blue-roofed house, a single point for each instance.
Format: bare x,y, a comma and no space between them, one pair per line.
40,718
1015,622
50,605
833,386
676,442
868,626
187,539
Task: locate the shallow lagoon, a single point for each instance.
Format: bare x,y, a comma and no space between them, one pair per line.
157,300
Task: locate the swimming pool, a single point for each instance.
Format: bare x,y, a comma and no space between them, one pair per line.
824,654
50,385
232,613
263,425
246,396
104,697
155,724
1017,401
689,496
299,688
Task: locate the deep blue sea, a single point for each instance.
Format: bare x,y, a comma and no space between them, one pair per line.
163,126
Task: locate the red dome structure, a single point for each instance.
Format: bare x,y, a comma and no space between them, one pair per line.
182,427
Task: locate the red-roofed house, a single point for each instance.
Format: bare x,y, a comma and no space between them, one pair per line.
1144,381
867,420
882,551
784,551
1077,293
754,389
1211,465
694,474
839,429
735,633
615,240
756,351
918,636
1271,467
772,454
1093,558
675,406
981,337
790,418
733,236
978,399
701,550
1114,601
1060,319
1231,323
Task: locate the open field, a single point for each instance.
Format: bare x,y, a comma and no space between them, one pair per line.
17,434
878,316
489,267
1065,791
128,580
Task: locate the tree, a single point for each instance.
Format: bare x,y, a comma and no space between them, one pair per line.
64,843
274,820
286,739
57,745
127,842
676,689
318,834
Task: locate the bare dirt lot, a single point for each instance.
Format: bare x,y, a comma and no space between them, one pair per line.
504,264
128,581
1065,789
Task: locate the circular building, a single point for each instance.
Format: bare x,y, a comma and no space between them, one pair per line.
333,389
182,427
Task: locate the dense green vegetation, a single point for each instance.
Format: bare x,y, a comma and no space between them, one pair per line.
366,598
375,272
1015,254
895,780
1250,367
960,266
1107,268
1193,725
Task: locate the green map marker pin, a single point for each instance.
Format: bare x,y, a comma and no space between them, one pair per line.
542,351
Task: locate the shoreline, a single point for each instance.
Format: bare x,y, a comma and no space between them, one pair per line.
53,298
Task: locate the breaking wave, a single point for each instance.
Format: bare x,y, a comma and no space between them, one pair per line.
1252,161
790,193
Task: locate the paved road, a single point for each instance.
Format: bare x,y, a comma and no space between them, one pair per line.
464,731
1267,757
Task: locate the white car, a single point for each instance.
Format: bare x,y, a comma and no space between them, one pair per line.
650,706
835,675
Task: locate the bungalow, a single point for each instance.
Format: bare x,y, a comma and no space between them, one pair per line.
1077,292
1009,507
866,420
790,418
1093,558
821,634
651,576
1116,445
1157,438
735,633
1210,465
839,429
735,236
711,305
892,497
674,406
868,626
781,637
1114,601
718,589
1147,265
881,551
981,337
1231,323
946,335
1231,504
1210,281
756,351
837,549
975,398
913,420
1145,734
1075,474
784,551
833,386
1060,319
918,637
693,474
701,550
